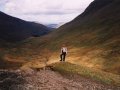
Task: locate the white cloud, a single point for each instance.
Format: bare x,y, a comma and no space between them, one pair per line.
45,11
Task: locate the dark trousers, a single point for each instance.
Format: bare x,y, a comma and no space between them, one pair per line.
62,56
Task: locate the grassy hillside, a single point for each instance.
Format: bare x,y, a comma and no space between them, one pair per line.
69,69
92,40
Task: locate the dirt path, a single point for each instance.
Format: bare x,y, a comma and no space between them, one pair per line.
50,80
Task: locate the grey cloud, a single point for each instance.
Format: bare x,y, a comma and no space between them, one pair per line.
2,2
68,11
56,11
46,13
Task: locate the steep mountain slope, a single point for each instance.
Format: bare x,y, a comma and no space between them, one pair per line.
98,17
14,29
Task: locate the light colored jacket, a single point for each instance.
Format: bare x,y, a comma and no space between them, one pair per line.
64,49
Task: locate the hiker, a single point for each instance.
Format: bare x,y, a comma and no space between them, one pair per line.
63,53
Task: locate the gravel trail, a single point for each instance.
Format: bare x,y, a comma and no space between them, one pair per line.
47,80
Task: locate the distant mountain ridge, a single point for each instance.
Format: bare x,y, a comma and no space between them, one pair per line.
52,25
14,29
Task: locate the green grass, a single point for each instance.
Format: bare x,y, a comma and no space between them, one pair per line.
101,76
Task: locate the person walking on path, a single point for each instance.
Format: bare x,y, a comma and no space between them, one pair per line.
63,53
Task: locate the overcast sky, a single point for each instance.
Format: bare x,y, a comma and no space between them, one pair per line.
44,11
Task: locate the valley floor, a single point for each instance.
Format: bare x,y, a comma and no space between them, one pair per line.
47,80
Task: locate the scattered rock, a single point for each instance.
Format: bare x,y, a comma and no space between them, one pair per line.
46,80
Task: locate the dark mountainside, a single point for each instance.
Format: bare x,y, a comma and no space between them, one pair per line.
14,29
100,18
95,6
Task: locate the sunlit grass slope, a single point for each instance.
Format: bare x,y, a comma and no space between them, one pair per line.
71,69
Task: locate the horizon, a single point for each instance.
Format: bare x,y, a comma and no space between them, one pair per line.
44,11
